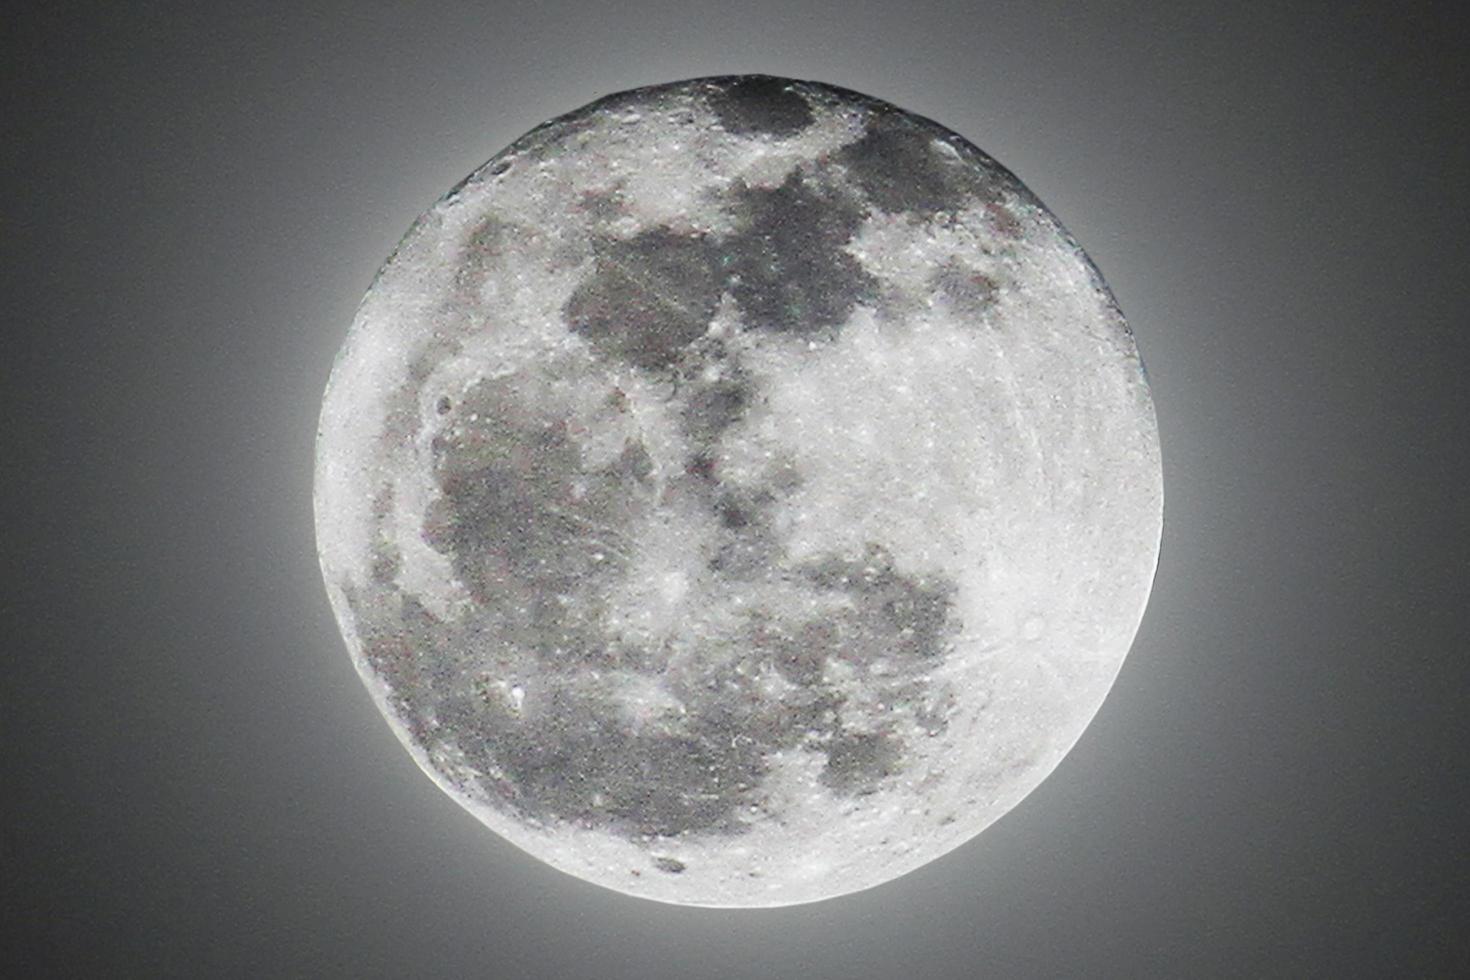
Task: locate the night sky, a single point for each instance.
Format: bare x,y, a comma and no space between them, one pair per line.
196,197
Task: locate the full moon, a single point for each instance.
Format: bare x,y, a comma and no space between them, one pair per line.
738,492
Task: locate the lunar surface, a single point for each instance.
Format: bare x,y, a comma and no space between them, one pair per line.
738,492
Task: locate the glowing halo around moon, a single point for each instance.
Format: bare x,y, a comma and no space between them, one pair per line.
738,492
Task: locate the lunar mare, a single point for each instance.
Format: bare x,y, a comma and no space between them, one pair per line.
738,492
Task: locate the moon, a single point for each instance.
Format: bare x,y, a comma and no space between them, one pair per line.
738,492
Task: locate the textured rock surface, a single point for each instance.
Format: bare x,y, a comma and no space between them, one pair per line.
738,492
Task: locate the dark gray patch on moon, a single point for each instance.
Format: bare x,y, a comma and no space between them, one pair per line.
858,761
972,291
893,615
600,207
899,168
648,297
565,754
715,406
791,271
670,865
396,632
652,296
760,104
569,757
482,249
748,545
798,654
387,557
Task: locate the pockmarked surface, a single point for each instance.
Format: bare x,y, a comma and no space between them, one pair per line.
738,492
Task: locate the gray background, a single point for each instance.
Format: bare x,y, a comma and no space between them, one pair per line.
195,197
